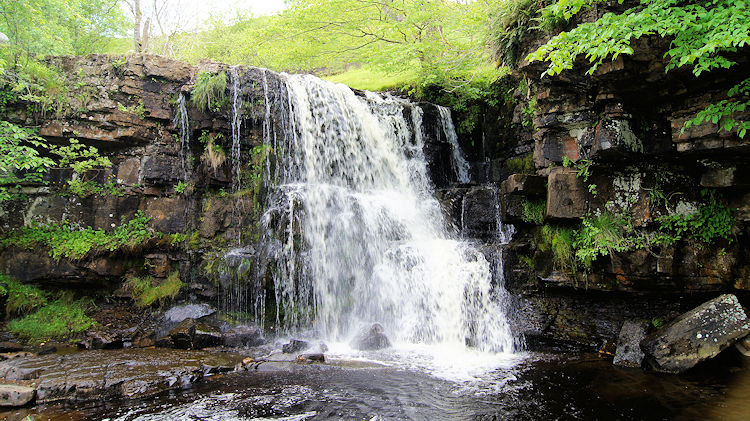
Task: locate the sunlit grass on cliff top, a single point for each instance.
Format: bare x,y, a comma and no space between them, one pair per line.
372,79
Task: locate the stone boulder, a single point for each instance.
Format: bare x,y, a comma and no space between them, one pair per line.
15,395
698,335
295,345
372,339
241,336
177,314
629,352
100,340
193,334
206,336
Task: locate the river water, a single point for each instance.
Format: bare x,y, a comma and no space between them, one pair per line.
530,387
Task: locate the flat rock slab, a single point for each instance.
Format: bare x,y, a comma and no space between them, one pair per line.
15,395
697,335
100,374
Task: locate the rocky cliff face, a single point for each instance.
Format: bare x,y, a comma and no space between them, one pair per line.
137,111
609,173
565,148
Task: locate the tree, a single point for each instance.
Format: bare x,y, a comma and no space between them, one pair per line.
59,26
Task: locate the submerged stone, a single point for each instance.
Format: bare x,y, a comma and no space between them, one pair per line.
629,353
698,335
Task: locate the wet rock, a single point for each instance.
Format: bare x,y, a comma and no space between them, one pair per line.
15,395
177,314
164,342
10,347
182,335
205,336
144,339
13,355
480,212
697,335
372,339
295,345
100,340
743,345
97,375
241,336
629,352
316,357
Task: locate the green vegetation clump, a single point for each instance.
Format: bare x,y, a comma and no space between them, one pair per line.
561,242
21,298
77,243
42,319
712,220
58,319
533,211
521,164
145,293
209,91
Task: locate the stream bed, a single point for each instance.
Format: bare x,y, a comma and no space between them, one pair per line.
530,386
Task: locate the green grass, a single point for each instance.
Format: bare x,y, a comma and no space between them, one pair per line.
533,211
371,79
21,299
145,293
59,319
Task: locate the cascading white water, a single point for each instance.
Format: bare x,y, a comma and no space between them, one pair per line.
360,236
236,123
182,123
458,161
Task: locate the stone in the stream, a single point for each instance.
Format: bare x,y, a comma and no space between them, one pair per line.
15,395
629,353
100,340
182,334
308,358
372,339
743,345
697,335
240,336
295,345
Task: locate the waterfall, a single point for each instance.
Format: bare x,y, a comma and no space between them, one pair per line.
236,122
182,124
460,165
353,233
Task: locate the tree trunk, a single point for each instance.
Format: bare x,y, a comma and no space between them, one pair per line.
137,26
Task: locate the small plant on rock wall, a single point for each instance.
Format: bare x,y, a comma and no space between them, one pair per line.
209,91
533,211
147,291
